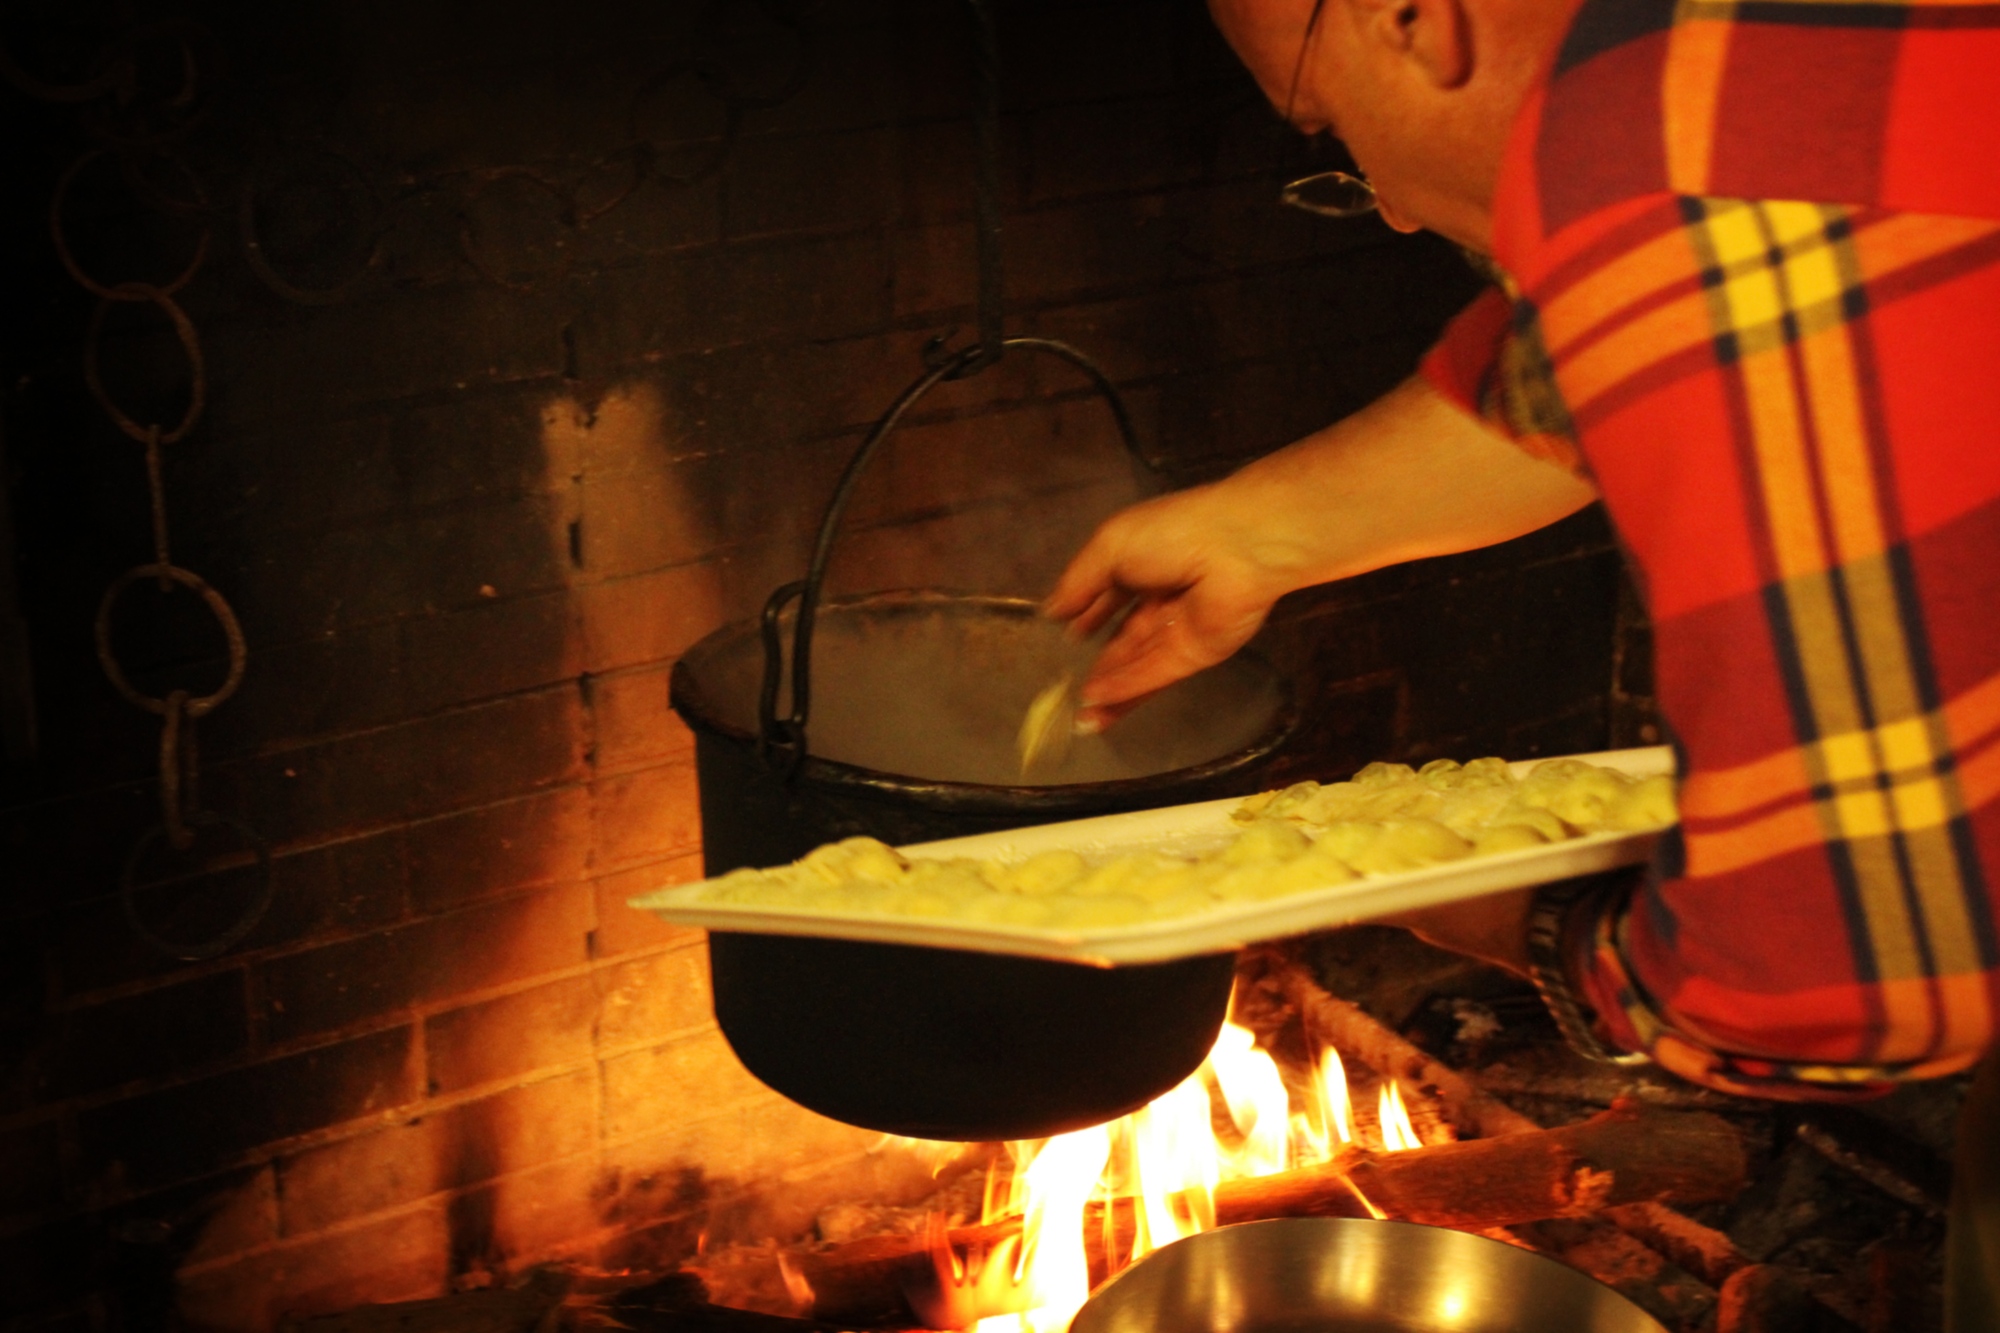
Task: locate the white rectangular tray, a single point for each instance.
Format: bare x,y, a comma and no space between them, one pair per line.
1183,830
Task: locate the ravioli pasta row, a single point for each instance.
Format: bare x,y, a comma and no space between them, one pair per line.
1389,818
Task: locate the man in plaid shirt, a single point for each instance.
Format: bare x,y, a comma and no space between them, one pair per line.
1752,259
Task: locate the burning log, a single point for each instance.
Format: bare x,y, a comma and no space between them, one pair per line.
1349,1029
1628,1154
1649,1228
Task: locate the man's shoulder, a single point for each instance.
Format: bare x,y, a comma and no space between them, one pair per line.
1890,105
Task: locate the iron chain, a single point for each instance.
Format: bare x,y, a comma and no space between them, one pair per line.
137,117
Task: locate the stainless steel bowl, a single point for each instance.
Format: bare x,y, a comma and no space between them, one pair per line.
1300,1274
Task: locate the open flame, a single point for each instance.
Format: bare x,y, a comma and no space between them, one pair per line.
1394,1117
1150,1179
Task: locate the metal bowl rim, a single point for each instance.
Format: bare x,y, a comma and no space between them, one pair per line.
1644,1322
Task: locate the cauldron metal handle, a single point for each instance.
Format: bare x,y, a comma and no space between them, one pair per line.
782,740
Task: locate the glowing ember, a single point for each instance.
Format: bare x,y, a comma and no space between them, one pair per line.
1154,1175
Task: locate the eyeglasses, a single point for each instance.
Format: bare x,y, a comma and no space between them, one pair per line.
1331,194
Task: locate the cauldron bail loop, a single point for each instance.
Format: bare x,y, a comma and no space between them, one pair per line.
781,741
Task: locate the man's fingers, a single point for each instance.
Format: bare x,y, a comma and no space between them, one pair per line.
1089,577
1099,610
1157,646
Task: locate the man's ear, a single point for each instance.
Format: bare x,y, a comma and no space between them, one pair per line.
1437,34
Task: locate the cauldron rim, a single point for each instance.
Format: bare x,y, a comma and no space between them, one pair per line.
696,707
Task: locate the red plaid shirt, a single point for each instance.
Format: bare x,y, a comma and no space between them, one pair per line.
1755,253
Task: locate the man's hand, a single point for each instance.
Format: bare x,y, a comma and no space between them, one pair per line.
1203,579
1409,476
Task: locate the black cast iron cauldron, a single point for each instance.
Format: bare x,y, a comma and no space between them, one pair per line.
920,697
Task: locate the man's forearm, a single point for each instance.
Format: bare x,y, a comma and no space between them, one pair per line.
1409,476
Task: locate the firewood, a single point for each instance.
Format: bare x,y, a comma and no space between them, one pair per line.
1627,1154
1594,1245
1705,1254
1349,1029
1703,1251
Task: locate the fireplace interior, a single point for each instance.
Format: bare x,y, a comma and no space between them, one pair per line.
465,365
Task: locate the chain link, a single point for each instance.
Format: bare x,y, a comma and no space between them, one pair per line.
124,291
149,89
190,345
181,813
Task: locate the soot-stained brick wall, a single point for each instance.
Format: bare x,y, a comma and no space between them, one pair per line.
532,337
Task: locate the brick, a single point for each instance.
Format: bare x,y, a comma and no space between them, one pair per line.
401,1257
369,979
775,290
628,430
404,565
936,268
1108,146
1478,666
849,175
646,815
1581,729
762,398
189,1130
236,1215
445,1150
476,854
167,1030
499,648
713,505
660,217
333,681
635,726
635,522
934,63
1131,243
672,1166
790,1139
415,341
466,757
533,1215
30,1170
650,618
1182,329
55,845
512,1036
686,1079
337,889
851,80
349,465
935,159
622,929
1032,449
477,445
1014,546
647,1000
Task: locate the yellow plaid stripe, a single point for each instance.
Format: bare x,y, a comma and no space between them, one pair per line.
1781,278
1610,293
